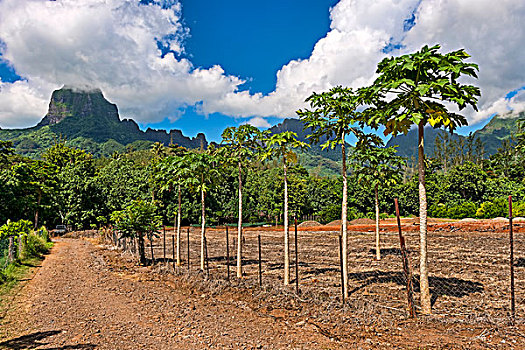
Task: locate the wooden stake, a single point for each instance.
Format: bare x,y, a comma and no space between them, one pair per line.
173,250
206,257
164,242
296,261
406,266
512,293
227,255
188,240
260,264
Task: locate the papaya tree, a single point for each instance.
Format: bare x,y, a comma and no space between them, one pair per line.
241,145
281,146
331,118
202,174
418,89
375,166
174,171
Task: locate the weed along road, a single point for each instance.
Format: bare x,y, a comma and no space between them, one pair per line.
87,297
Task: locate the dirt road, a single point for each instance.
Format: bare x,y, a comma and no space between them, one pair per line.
76,300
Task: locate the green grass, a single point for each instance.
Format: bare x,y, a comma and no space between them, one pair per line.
13,274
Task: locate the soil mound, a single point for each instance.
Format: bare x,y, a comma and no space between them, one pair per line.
468,220
500,219
334,223
309,223
518,219
362,221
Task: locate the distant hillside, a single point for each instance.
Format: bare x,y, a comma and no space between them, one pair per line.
297,126
498,129
86,119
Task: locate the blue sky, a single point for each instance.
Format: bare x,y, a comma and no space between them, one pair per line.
250,39
223,63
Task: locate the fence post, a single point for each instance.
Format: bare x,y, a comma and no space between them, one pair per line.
11,253
296,261
227,254
406,265
164,242
173,250
188,240
260,264
511,238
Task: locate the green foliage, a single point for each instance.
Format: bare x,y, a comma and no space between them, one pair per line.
16,228
420,82
139,217
36,246
458,211
496,208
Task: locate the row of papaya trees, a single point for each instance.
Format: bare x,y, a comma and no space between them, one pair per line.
416,89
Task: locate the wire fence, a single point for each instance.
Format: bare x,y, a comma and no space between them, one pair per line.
469,267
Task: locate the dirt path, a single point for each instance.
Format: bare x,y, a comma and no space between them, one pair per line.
77,300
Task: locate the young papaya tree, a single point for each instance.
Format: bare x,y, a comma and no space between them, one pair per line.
375,166
418,89
282,146
203,172
173,171
240,146
331,117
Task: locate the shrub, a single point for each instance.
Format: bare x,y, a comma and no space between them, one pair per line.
35,246
438,210
463,210
497,207
518,209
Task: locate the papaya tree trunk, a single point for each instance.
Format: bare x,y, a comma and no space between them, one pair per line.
286,228
239,227
178,227
343,220
142,251
203,228
423,260
378,248
151,248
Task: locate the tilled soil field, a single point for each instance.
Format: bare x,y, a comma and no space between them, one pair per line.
87,295
468,262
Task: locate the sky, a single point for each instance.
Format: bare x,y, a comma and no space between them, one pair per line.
202,65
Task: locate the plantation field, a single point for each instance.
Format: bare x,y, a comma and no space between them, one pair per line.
469,266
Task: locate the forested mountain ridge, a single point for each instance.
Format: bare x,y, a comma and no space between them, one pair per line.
86,119
492,135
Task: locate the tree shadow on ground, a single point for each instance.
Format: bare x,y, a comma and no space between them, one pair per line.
450,286
36,340
520,262
388,251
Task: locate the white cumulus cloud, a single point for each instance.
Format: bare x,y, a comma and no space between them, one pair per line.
112,45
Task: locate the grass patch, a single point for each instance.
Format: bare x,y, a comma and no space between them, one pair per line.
14,273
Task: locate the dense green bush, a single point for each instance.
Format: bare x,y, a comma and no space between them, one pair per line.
457,211
491,209
35,246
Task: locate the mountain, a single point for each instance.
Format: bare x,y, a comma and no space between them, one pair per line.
86,119
499,128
